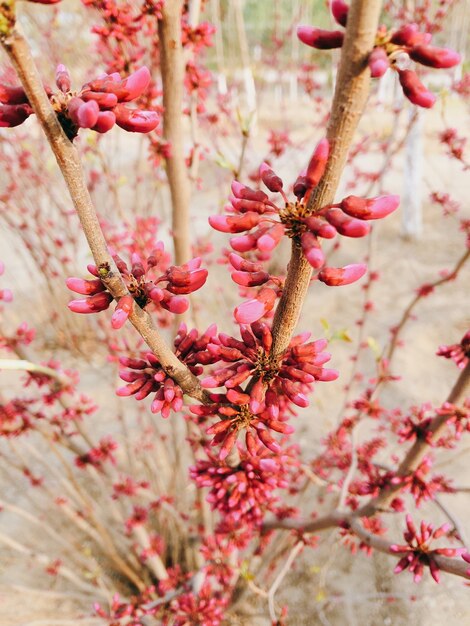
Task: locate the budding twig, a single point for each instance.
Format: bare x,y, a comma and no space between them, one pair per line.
70,165
352,90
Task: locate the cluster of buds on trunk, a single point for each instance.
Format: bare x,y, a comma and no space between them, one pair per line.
143,283
98,105
265,223
392,48
417,554
272,385
145,375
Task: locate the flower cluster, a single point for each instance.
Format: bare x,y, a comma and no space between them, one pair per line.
252,212
274,384
417,554
394,48
144,287
98,105
459,352
146,375
243,492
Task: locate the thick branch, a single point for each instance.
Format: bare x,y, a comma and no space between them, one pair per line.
352,90
172,69
69,162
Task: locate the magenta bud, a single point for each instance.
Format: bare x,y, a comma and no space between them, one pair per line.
12,115
378,62
87,114
244,243
339,10
62,78
177,305
440,58
122,311
345,225
269,178
250,279
85,287
134,120
238,224
269,441
317,164
370,209
105,121
312,250
320,228
93,304
103,100
414,89
338,276
12,95
321,39
252,310
270,239
409,35
135,84
246,193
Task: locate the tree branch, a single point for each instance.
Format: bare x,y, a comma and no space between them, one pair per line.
69,163
172,70
352,90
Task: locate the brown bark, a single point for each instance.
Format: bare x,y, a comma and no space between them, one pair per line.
172,69
352,90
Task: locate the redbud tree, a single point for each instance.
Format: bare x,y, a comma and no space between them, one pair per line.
200,514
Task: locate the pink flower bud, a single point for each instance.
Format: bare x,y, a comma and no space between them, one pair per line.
345,225
93,304
378,62
87,114
176,304
250,279
300,186
312,249
62,78
239,263
12,95
270,238
242,205
268,441
122,311
103,100
339,10
370,209
228,444
105,121
237,397
409,35
14,114
45,1
246,193
257,396
132,388
414,89
317,164
441,58
320,228
244,243
135,85
269,178
134,120
337,276
184,282
321,39
230,224
85,287
252,310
